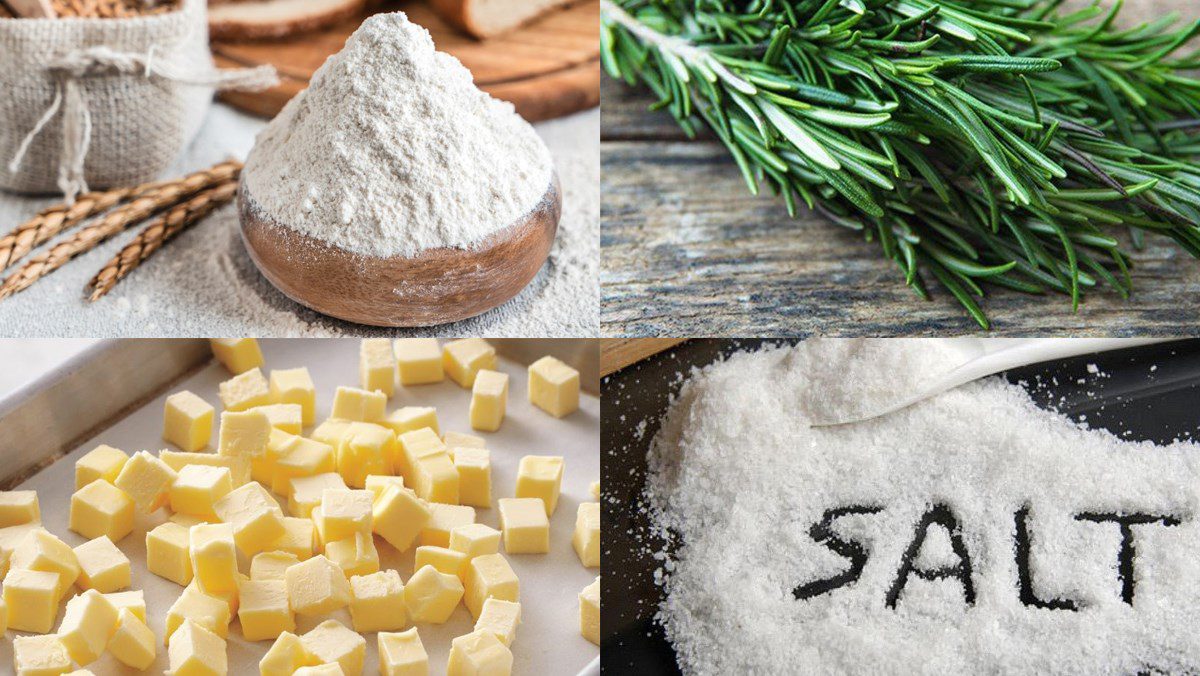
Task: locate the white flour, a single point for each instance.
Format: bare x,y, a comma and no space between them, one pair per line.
393,150
740,479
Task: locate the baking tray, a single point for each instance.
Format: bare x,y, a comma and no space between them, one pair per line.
114,394
1139,393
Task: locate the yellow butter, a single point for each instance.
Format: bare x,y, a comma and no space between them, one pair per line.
42,550
244,433
431,597
31,597
540,476
419,361
196,651
197,487
402,654
146,480
297,539
355,555
475,539
377,365
414,445
332,643
589,612
399,516
286,655
553,386
228,596
377,602
102,566
444,560
316,587
332,431
442,520
88,623
102,462
436,479
525,525
366,449
294,386
321,670
238,466
238,355
474,466
255,516
457,439
133,601
462,359
205,610
377,482
344,513
244,391
40,656
489,576
587,534
352,403
408,418
187,421
100,508
214,556
307,491
19,507
285,417
300,458
477,653
271,565
501,618
489,399
263,609
168,553
595,490
133,642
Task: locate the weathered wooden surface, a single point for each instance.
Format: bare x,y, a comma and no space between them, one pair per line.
688,251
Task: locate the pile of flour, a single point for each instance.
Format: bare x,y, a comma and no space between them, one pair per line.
393,150
738,478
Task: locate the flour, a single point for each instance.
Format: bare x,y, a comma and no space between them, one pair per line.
738,480
393,150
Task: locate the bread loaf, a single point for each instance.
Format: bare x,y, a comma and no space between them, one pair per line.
485,18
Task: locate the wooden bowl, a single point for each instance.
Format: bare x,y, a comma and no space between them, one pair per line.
434,287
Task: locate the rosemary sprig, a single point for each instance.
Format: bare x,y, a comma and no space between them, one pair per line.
992,142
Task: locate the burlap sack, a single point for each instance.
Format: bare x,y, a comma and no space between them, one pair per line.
97,103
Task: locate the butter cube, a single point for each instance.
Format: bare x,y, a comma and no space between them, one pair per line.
401,654
435,479
133,642
133,601
244,391
501,618
332,643
88,623
589,612
196,651
41,550
474,466
595,490
102,462
351,403
479,653
553,386
377,365
264,611
40,656
238,355
262,466
413,446
409,418
100,508
475,539
271,565
206,611
256,518
377,602
317,587
297,538
431,596
489,576
489,397
525,525
366,449
321,670
299,458
462,359
214,558
355,556
238,466
229,596
31,597
168,553
287,654
307,491
18,507
197,487
419,361
244,433
443,560
344,513
285,417
460,440
540,476
294,386
332,431
102,566
187,421
587,534
377,482
442,520
146,480
398,516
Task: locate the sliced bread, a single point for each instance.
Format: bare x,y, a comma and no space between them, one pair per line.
485,18
266,19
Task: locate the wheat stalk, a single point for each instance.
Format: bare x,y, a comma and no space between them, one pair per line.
160,231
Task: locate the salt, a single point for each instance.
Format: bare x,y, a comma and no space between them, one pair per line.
738,479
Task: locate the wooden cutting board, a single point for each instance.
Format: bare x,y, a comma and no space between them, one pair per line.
547,69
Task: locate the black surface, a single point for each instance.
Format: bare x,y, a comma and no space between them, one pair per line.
1142,393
